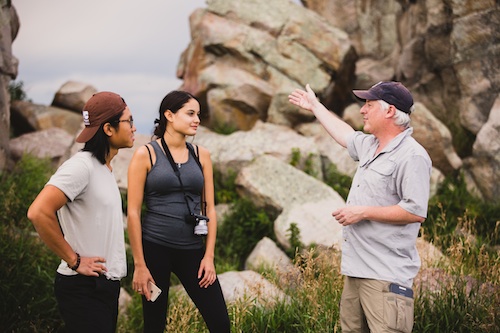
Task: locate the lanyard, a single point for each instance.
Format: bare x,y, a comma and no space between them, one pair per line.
176,170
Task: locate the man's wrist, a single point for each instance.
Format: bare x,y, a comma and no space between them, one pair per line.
77,264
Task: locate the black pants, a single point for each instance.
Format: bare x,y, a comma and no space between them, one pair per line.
162,261
87,304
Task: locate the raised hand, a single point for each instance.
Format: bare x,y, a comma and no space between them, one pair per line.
304,99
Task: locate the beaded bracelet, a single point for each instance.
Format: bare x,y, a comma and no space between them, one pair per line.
77,262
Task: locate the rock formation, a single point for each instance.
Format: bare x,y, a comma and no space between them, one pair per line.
9,26
245,58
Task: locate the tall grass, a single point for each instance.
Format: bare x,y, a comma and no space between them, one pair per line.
454,303
313,307
463,293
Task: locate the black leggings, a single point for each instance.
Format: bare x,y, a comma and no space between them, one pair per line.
161,262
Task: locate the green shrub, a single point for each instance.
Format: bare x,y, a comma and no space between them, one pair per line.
307,165
27,270
451,205
243,228
331,176
339,182
27,267
225,187
20,187
131,320
295,157
296,245
16,90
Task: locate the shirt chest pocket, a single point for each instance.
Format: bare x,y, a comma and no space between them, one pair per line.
380,178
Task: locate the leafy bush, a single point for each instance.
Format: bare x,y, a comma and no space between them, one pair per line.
339,182
242,229
20,187
27,267
27,270
16,90
296,245
131,320
225,187
307,165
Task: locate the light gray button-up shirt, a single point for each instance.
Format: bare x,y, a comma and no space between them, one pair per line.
398,175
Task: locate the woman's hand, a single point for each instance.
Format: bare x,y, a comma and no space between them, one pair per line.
142,276
207,272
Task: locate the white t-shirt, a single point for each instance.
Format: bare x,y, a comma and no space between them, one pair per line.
92,219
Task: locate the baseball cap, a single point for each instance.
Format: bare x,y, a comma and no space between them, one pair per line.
391,92
101,107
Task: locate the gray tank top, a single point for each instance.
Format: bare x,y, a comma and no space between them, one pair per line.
164,222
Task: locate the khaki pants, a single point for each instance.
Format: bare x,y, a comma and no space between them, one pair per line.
368,306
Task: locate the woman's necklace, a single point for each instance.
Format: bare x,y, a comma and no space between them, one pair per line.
180,164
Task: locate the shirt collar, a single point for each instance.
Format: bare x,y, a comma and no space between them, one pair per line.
397,140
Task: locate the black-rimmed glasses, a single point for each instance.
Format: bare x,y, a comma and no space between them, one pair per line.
130,121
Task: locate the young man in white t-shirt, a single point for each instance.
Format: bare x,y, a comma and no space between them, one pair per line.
78,214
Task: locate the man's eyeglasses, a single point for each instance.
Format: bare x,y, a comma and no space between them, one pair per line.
131,121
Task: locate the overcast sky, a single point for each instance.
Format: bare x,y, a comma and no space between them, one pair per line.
129,47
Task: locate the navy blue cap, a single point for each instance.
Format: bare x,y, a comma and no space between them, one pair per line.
391,92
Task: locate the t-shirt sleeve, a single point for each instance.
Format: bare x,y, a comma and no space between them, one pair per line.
72,177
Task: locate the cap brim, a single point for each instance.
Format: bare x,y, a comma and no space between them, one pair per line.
365,95
87,134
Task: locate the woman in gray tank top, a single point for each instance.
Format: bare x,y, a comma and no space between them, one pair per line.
175,181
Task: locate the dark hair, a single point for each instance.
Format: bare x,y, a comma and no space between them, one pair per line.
99,144
173,101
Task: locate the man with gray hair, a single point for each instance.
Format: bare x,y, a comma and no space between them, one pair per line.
385,207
